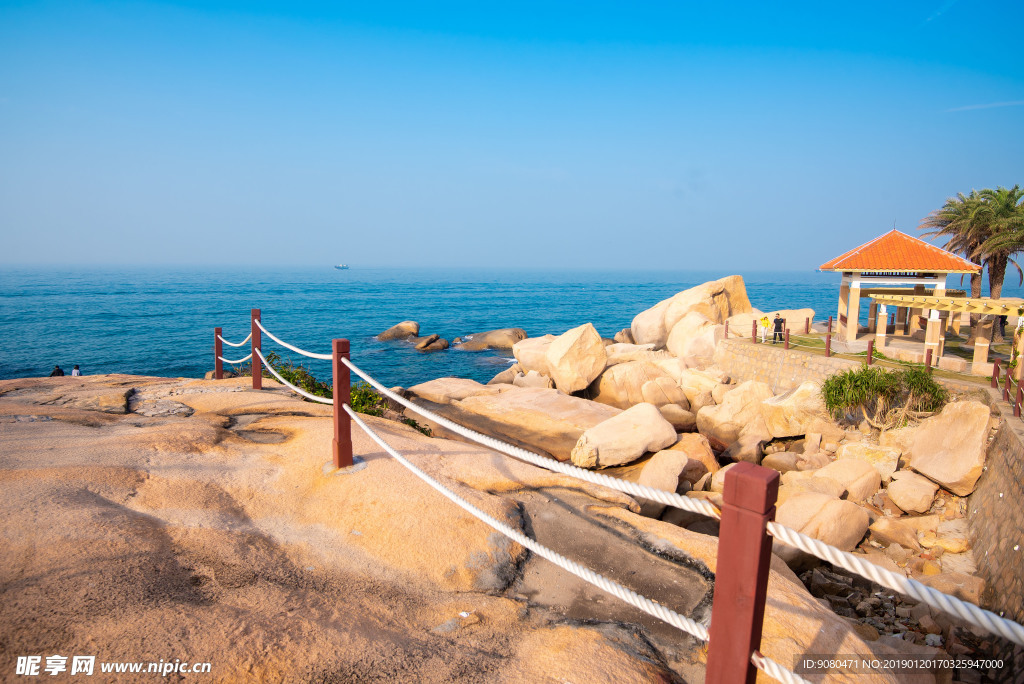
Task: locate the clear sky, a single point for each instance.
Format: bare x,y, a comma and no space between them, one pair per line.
762,135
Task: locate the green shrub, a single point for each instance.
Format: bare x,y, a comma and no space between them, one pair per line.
885,398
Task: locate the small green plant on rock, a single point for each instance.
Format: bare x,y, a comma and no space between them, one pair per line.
886,399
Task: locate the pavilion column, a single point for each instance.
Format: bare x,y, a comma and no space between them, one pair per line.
915,314
880,331
844,299
979,363
932,335
873,317
901,319
853,314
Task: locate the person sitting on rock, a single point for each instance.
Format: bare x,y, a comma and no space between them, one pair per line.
57,372
777,336
75,372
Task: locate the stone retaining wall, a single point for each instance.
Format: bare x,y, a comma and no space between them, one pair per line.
779,368
995,516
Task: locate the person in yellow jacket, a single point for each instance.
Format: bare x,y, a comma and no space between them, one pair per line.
765,324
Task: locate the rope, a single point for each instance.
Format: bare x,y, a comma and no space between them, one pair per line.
232,344
235,363
289,385
628,595
326,357
967,611
699,506
773,669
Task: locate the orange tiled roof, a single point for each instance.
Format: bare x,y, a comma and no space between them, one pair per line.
896,251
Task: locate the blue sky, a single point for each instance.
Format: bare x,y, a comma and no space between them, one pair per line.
534,135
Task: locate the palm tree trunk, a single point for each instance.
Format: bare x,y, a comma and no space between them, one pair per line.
996,273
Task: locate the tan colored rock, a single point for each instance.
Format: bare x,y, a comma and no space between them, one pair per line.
839,523
681,419
694,338
699,401
622,352
718,479
717,300
890,531
796,412
542,419
575,358
506,376
739,412
503,338
749,447
531,353
622,385
422,342
860,478
662,391
797,482
624,438
783,461
718,392
696,446
884,459
694,382
964,587
912,492
533,379
950,448
448,390
401,331
625,336
663,471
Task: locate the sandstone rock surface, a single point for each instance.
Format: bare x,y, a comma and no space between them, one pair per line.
885,459
860,478
400,331
624,438
796,412
575,358
950,448
717,300
738,414
912,492
503,338
836,522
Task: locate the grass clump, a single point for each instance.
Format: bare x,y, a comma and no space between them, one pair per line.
886,399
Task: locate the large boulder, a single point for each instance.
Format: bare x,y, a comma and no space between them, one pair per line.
911,492
697,448
950,448
694,339
575,358
621,352
797,412
695,382
624,438
740,412
544,420
663,472
503,338
683,420
506,376
623,385
449,390
860,478
885,459
717,300
531,353
401,331
839,523
533,379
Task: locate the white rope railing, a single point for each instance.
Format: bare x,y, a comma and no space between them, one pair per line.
681,622
235,363
289,385
909,587
699,506
325,357
235,344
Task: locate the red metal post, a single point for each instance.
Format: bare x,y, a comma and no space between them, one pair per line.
257,343
828,344
829,324
341,447
807,326
1017,400
785,341
727,329
741,573
753,331
1006,385
871,350
995,373
928,362
218,351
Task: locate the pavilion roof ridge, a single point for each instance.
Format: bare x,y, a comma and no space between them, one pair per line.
896,251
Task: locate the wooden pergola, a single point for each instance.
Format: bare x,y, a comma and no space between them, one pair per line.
893,265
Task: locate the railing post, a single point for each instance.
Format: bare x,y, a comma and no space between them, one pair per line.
727,330
995,373
928,362
1006,384
828,344
1017,400
807,326
257,343
829,324
741,573
218,351
785,344
871,350
341,447
753,332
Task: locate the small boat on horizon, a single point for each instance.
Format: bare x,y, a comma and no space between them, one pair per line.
342,267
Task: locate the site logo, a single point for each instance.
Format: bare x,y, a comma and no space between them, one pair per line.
32,666
55,664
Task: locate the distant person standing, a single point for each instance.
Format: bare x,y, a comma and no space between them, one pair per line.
57,372
75,372
765,324
777,336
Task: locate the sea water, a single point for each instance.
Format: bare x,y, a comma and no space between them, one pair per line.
160,321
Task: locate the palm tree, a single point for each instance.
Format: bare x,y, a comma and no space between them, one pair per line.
956,222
